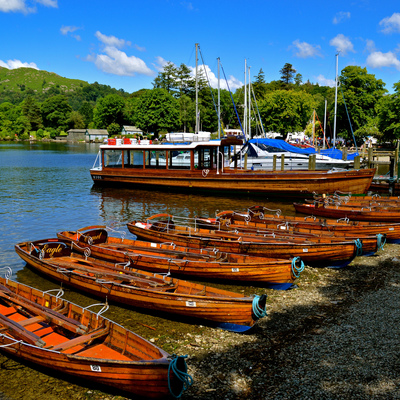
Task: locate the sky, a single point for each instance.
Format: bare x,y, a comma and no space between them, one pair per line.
126,43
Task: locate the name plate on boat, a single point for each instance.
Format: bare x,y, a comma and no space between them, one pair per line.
305,250
235,269
95,368
190,304
391,229
153,244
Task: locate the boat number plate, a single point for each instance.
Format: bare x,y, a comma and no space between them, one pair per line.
235,269
95,368
305,250
153,244
190,304
391,229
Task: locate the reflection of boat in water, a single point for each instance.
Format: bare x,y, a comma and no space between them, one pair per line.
261,152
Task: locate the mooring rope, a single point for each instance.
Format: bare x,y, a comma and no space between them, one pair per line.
358,243
381,241
257,310
295,269
183,376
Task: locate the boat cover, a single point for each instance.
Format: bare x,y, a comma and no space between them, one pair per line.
281,144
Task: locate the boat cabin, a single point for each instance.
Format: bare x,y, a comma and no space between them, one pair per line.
147,155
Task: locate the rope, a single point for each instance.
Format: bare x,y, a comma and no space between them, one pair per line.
358,243
295,269
380,241
257,310
183,376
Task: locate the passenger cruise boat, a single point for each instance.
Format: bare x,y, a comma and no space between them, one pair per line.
155,165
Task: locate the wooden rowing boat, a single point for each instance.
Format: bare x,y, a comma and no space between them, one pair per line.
137,288
44,329
157,166
332,254
259,217
352,213
185,261
370,243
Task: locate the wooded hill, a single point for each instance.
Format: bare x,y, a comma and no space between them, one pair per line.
38,81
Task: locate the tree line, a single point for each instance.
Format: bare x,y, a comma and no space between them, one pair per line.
286,105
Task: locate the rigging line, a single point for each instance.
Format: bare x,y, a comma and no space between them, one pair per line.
209,85
258,112
348,117
234,105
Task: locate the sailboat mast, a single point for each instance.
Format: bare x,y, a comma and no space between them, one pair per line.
323,144
219,105
336,85
245,100
197,92
249,113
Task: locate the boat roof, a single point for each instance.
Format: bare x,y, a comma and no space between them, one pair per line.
145,145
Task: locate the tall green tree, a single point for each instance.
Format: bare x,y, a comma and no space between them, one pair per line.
167,78
156,111
56,112
359,92
31,110
259,85
287,74
389,115
286,111
108,110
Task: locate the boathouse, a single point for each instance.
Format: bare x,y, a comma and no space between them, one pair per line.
96,135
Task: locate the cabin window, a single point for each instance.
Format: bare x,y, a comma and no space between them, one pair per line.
179,160
156,159
113,158
133,159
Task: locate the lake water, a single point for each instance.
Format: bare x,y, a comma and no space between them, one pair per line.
46,188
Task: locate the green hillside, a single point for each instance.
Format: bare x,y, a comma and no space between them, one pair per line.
22,79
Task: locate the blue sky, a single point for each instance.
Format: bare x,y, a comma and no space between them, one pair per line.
125,43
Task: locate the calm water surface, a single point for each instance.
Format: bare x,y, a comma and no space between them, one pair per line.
46,188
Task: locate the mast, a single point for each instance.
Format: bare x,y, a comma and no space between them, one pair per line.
219,106
334,121
323,144
249,113
245,100
313,128
197,93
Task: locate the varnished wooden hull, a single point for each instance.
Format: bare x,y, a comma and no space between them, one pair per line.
310,224
354,214
276,183
143,289
315,254
186,261
121,359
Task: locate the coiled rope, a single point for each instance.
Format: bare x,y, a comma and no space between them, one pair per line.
295,269
257,310
380,241
183,376
358,243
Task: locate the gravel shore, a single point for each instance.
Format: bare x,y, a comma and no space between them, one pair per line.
335,337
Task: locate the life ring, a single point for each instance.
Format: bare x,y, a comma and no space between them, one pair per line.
205,172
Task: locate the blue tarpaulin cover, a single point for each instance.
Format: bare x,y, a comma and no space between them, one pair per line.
281,144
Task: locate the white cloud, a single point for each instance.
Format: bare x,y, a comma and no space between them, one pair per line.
23,7
391,24
306,50
370,45
231,83
112,40
342,43
340,17
13,64
160,63
325,81
65,30
117,62
379,60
